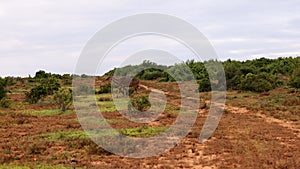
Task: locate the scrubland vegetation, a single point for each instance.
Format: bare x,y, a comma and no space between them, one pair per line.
260,127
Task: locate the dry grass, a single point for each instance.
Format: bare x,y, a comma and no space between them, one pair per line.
242,140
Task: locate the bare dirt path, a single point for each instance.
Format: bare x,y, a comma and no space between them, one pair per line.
153,89
283,123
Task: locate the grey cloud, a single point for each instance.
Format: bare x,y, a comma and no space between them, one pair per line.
46,34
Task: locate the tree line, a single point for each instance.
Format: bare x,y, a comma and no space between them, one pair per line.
258,75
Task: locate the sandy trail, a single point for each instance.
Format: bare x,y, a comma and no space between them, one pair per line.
289,125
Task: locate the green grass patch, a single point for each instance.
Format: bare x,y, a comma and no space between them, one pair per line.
144,131
64,135
106,104
104,95
109,106
107,109
17,91
46,112
172,109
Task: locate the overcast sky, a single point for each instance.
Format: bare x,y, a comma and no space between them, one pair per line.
50,34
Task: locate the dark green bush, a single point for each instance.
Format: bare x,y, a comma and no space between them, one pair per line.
44,88
2,89
63,98
50,84
141,103
31,80
204,85
9,81
257,83
5,103
67,79
151,75
131,91
105,88
36,94
295,79
41,74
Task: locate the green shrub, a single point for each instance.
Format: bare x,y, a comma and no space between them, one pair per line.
50,84
31,80
84,89
9,81
36,94
63,98
141,103
131,91
105,89
41,74
67,79
234,82
204,85
295,79
2,89
46,87
151,75
257,83
5,103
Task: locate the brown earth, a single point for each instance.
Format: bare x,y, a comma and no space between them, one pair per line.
243,139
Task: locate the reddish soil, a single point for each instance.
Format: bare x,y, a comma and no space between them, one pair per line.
243,139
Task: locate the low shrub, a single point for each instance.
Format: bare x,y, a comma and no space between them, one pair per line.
295,79
258,82
10,81
204,85
63,98
105,89
2,89
36,94
44,88
131,91
83,90
141,103
5,103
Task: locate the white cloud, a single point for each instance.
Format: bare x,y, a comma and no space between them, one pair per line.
10,44
278,54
